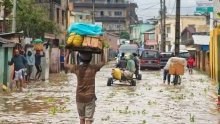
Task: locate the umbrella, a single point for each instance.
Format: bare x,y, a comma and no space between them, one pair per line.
37,41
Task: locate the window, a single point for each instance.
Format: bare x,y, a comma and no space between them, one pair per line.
102,13
151,36
118,13
168,29
63,16
108,1
150,54
58,15
109,13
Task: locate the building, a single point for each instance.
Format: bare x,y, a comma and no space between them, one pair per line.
8,41
150,39
187,35
114,15
197,22
58,13
138,32
201,43
80,17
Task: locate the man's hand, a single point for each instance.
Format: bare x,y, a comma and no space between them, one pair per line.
66,62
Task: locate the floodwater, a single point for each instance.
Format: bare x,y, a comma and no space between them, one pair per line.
150,102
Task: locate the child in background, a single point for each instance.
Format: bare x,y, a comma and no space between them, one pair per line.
190,64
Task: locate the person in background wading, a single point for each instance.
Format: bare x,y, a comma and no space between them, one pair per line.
85,93
30,64
136,60
62,56
19,62
38,63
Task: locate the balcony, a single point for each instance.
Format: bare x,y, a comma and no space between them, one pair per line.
101,5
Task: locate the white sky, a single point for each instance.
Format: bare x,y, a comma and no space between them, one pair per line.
150,8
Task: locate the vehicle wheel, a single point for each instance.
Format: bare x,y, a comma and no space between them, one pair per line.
110,81
141,69
133,83
139,76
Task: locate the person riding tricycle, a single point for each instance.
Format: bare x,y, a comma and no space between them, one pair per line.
124,74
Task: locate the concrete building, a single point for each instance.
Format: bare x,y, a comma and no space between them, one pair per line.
150,39
138,32
114,15
197,22
58,11
80,17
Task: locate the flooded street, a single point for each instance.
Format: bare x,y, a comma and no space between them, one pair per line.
150,102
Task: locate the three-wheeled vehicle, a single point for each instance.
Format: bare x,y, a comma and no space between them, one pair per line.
122,76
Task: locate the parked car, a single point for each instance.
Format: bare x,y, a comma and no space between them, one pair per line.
150,59
164,57
183,53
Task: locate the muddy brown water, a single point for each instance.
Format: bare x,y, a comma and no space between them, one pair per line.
150,102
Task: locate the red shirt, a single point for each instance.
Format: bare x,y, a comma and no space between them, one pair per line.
190,62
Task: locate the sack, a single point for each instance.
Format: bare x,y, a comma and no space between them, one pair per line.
116,73
85,29
128,74
176,69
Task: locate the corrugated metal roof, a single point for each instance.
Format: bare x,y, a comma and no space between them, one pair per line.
201,39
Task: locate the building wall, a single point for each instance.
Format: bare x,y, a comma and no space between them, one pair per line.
198,21
137,31
113,41
114,15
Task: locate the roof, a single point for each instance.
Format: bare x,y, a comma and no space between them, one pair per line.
189,29
201,39
4,41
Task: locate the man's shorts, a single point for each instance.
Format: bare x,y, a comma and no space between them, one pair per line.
86,110
19,75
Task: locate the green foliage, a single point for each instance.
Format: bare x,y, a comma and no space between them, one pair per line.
32,18
8,6
125,35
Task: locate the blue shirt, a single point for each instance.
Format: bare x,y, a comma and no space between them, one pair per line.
30,60
62,58
19,62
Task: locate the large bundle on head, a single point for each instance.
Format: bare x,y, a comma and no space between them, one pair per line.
38,44
85,37
177,65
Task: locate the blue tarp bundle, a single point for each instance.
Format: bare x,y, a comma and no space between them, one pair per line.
85,29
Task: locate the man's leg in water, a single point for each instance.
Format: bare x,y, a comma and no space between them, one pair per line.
82,121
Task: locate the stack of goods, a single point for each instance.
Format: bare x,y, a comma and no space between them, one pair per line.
38,44
85,37
177,66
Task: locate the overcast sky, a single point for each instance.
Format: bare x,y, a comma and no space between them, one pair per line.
150,8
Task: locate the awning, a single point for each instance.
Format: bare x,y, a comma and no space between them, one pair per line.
201,39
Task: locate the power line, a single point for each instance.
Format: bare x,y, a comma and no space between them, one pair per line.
173,7
151,6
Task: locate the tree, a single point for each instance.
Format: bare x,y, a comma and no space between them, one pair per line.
7,8
32,18
125,35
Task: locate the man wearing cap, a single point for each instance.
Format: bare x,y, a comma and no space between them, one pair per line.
85,92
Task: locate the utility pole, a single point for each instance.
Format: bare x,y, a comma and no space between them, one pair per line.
164,26
161,25
93,11
67,14
177,32
14,16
